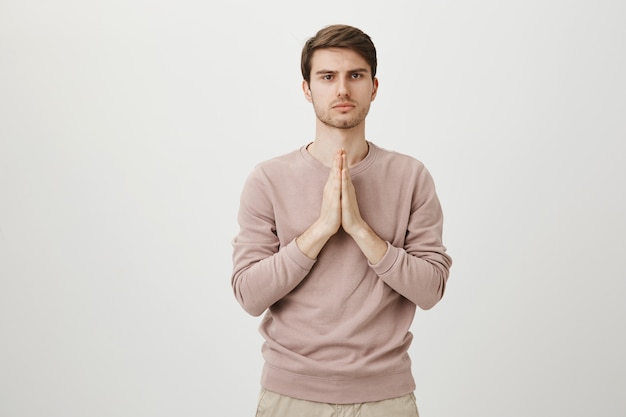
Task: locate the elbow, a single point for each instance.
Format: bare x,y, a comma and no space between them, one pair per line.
252,309
249,305
248,302
429,303
435,294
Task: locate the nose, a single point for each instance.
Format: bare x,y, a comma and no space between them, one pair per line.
342,88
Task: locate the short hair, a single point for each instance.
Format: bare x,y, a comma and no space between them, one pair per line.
338,36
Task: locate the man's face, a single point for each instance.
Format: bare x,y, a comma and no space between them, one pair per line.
341,87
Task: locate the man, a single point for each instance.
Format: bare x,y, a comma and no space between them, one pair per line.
339,241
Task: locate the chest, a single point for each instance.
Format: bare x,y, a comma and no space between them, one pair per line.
385,206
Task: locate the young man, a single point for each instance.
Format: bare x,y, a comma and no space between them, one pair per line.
339,241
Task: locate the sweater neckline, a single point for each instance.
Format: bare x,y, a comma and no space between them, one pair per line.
355,169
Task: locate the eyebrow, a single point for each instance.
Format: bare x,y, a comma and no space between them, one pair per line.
323,71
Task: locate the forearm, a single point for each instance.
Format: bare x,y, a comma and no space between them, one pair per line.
260,283
313,240
420,278
372,246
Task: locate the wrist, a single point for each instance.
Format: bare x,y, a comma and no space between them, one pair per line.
372,245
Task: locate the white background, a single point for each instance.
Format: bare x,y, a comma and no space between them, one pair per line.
127,128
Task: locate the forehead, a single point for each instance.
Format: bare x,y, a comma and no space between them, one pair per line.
337,59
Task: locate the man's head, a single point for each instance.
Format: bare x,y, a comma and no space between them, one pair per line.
338,36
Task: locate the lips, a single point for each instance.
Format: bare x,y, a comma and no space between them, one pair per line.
343,106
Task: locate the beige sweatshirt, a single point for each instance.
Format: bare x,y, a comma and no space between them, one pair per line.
336,329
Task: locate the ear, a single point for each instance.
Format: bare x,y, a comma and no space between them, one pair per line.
307,91
375,89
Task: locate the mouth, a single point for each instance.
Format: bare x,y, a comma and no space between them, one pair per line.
343,106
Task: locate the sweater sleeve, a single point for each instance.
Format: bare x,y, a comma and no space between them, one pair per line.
263,270
419,270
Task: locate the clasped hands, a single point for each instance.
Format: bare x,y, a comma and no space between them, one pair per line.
340,209
339,203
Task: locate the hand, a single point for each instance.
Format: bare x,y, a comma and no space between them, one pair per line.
340,209
330,213
351,219
372,246
315,237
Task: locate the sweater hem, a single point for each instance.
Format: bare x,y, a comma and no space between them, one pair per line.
329,390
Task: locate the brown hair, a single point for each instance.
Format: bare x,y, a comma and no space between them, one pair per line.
338,36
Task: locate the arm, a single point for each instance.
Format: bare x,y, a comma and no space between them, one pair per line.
263,271
419,270
315,237
372,246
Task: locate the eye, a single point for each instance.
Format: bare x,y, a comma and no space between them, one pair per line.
327,77
356,75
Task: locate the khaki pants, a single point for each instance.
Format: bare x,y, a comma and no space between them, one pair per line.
272,404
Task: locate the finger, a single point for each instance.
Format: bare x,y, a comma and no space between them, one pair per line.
340,158
336,174
346,180
338,165
335,171
344,161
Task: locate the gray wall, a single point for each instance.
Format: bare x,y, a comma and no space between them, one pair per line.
128,127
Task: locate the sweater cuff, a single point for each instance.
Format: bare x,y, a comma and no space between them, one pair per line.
296,255
387,262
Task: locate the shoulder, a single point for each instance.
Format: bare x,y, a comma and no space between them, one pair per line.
278,165
397,160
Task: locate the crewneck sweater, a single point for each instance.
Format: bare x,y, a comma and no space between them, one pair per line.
336,328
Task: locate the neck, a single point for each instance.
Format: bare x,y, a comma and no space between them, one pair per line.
328,141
